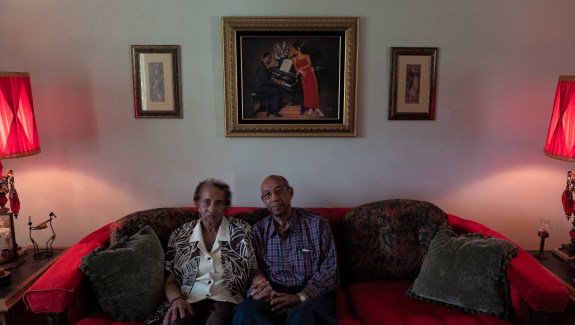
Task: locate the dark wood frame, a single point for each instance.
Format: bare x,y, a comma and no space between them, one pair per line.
424,61
235,29
168,56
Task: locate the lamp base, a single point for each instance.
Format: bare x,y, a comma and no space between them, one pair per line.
563,255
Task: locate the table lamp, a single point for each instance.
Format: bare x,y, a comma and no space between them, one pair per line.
18,138
560,144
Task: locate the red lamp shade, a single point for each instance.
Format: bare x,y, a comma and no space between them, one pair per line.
18,131
560,142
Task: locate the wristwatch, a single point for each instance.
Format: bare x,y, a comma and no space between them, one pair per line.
302,297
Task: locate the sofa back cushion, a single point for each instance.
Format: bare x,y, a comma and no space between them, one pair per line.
251,216
388,239
162,220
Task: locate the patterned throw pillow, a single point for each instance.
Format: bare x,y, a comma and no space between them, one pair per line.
466,271
128,277
388,239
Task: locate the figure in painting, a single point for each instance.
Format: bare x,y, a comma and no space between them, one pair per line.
156,82
266,85
304,69
412,85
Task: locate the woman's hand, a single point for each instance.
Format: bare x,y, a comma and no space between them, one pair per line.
177,310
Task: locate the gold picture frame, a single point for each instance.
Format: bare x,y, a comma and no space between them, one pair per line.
412,86
330,43
156,80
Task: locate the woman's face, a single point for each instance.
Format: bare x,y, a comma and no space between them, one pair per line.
292,51
212,204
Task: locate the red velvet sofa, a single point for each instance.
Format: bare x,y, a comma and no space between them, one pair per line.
64,292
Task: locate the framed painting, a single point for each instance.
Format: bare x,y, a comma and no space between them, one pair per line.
156,79
8,246
290,76
412,85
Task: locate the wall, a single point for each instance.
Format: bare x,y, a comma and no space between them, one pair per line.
481,158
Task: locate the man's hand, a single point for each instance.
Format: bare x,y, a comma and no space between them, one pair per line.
279,81
281,301
178,307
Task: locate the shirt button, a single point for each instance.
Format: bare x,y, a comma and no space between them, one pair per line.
210,282
209,258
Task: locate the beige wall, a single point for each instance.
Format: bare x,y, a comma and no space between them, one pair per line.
480,159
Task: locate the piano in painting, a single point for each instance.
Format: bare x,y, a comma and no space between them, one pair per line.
284,74
290,79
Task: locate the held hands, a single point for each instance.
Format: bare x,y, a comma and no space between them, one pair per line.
262,290
177,310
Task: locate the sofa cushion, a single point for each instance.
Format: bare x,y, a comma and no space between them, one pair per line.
385,302
466,271
252,217
162,220
128,277
388,239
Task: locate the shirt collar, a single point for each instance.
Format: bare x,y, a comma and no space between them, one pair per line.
293,224
223,231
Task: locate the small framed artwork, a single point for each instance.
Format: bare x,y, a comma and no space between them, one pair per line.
412,85
8,245
290,76
156,78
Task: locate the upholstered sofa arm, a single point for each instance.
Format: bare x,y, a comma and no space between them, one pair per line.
54,289
63,284
536,285
531,284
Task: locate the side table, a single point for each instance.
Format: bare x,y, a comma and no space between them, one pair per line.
565,273
12,309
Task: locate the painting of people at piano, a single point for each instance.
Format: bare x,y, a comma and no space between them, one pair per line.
291,77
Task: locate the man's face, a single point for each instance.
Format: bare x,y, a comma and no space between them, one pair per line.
268,59
277,196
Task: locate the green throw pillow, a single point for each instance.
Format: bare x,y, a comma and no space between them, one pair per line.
467,272
128,277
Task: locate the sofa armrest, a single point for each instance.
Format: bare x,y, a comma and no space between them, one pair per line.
535,285
54,290
530,283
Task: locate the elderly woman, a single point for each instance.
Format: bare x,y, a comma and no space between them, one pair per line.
210,262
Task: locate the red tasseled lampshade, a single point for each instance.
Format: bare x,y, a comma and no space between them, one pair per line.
560,142
18,131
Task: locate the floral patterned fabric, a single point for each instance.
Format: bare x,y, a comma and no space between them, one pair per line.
387,240
162,220
252,217
238,258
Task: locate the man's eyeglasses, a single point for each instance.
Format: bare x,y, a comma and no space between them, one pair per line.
278,191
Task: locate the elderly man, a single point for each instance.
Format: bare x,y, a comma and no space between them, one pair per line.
296,253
